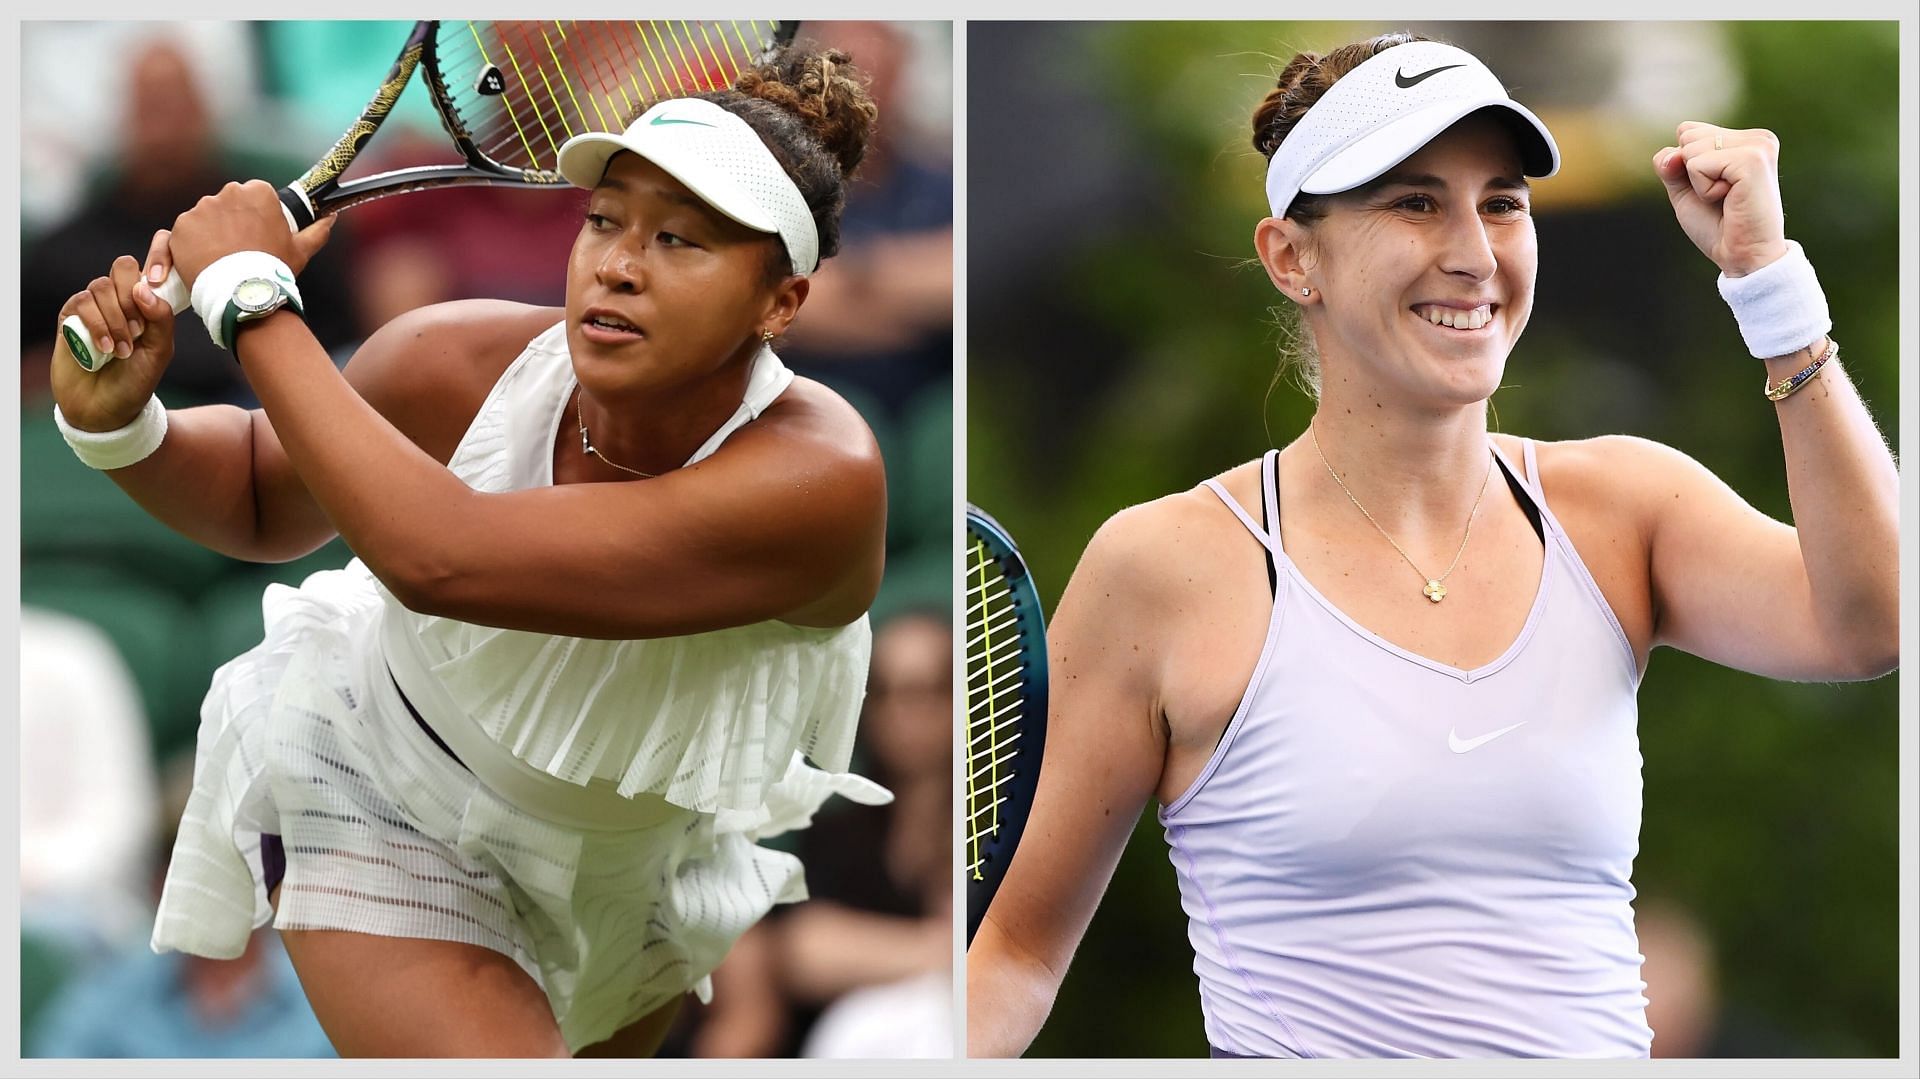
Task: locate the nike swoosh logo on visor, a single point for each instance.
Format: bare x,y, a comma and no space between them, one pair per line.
661,120
1468,745
1401,79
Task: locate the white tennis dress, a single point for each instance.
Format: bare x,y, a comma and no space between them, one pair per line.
599,823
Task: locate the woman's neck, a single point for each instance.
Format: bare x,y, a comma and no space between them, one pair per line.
1415,471
656,431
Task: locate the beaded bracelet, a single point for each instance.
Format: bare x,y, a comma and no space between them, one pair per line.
1781,390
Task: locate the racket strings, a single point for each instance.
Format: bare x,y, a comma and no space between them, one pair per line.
996,676
521,89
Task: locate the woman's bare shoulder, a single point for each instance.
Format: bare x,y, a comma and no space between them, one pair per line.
810,413
813,443
1165,542
1607,466
429,370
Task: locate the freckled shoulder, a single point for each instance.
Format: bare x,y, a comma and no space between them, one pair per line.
1160,547
1616,480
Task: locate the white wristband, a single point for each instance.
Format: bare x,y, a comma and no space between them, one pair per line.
121,447
1779,307
213,289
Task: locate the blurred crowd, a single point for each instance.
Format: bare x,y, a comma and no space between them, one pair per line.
123,622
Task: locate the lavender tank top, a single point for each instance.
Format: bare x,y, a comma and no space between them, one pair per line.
1389,856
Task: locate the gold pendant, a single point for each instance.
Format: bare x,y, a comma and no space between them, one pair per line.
1434,591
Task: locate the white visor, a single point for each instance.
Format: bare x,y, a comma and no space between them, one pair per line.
719,158
1383,111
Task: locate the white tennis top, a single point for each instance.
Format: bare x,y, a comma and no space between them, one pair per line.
708,721
1388,856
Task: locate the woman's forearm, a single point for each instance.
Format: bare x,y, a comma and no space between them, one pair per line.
1844,488
1009,994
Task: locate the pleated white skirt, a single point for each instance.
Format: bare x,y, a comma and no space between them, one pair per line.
306,737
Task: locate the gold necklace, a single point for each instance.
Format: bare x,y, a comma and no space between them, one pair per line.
1435,590
586,446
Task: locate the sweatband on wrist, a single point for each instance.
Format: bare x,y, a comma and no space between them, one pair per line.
122,446
214,288
1779,307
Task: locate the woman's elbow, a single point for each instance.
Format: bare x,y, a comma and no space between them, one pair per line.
422,579
1871,649
1873,662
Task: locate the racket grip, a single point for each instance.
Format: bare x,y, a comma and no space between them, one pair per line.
86,352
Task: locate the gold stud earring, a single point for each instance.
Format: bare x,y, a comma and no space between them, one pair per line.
766,337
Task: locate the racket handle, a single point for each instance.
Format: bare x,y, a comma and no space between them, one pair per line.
87,353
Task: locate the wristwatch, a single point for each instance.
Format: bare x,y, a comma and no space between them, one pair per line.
256,298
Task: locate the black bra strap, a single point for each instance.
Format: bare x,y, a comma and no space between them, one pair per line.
1525,498
1272,527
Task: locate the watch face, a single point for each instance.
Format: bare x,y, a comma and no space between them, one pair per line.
256,294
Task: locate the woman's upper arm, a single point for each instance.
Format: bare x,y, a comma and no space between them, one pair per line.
1728,583
1105,745
787,520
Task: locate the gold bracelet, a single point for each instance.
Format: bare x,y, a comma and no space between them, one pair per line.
1781,390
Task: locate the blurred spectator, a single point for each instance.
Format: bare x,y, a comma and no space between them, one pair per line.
66,133
910,1018
175,1005
168,153
1684,1007
880,313
89,798
870,948
139,1004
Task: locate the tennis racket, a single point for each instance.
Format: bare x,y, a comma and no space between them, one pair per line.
1006,705
509,94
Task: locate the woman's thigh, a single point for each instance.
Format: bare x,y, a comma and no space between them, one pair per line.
405,997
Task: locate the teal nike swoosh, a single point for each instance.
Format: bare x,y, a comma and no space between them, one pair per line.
659,121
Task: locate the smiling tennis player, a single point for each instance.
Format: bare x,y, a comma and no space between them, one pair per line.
1382,680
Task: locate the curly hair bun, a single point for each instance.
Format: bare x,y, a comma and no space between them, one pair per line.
826,92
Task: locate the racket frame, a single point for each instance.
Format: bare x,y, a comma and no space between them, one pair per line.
321,191
1007,799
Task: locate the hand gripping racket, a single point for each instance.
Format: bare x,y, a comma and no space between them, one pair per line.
1006,705
509,94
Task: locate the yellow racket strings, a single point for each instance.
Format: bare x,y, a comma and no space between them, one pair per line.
524,88
996,677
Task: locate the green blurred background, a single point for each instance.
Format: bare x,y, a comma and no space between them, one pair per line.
1122,347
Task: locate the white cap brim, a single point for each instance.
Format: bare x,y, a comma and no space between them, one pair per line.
1370,156
718,157
1385,110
